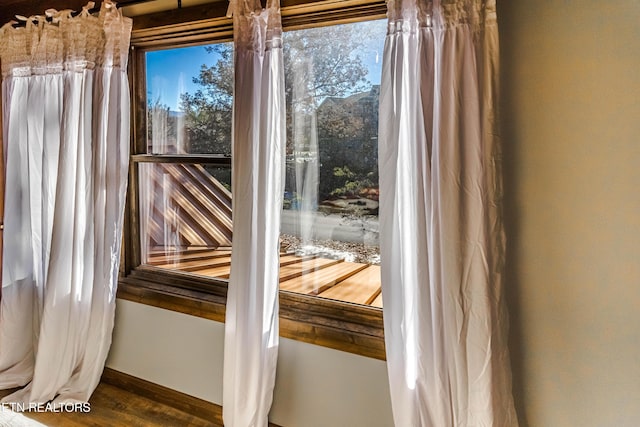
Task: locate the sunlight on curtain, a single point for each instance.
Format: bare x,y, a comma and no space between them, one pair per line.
305,144
66,139
251,322
441,236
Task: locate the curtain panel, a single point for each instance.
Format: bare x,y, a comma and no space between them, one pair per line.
441,232
65,106
251,322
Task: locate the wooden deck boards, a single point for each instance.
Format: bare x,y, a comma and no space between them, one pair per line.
327,278
221,271
322,279
200,264
298,269
203,222
377,302
361,288
173,258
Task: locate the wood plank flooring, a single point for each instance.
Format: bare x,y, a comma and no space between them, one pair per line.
114,407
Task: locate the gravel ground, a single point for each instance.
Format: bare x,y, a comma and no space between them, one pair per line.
351,252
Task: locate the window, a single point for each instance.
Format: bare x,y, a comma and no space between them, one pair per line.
330,221
180,224
184,186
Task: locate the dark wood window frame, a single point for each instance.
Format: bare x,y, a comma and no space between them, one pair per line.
335,324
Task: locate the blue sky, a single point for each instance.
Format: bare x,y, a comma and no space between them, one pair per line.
171,72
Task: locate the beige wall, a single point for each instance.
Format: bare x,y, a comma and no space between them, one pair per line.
315,386
571,115
1,181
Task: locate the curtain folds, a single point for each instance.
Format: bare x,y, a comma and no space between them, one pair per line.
251,323
66,141
441,235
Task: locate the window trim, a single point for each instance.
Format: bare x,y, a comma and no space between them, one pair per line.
330,323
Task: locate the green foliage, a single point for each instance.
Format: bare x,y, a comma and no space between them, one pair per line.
343,172
325,81
208,111
351,184
326,61
319,63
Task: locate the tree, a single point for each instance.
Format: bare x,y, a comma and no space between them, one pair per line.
208,111
320,64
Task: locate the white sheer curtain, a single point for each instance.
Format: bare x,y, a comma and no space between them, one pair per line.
251,324
441,235
66,140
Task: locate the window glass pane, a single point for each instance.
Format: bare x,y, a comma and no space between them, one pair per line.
329,231
185,217
330,216
190,99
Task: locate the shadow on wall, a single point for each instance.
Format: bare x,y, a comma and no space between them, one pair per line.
511,208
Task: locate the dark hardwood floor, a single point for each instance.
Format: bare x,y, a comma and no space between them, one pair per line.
114,406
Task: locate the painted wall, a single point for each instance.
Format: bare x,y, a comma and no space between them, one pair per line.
571,116
315,386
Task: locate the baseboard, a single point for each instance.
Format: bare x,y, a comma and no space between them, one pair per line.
166,396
